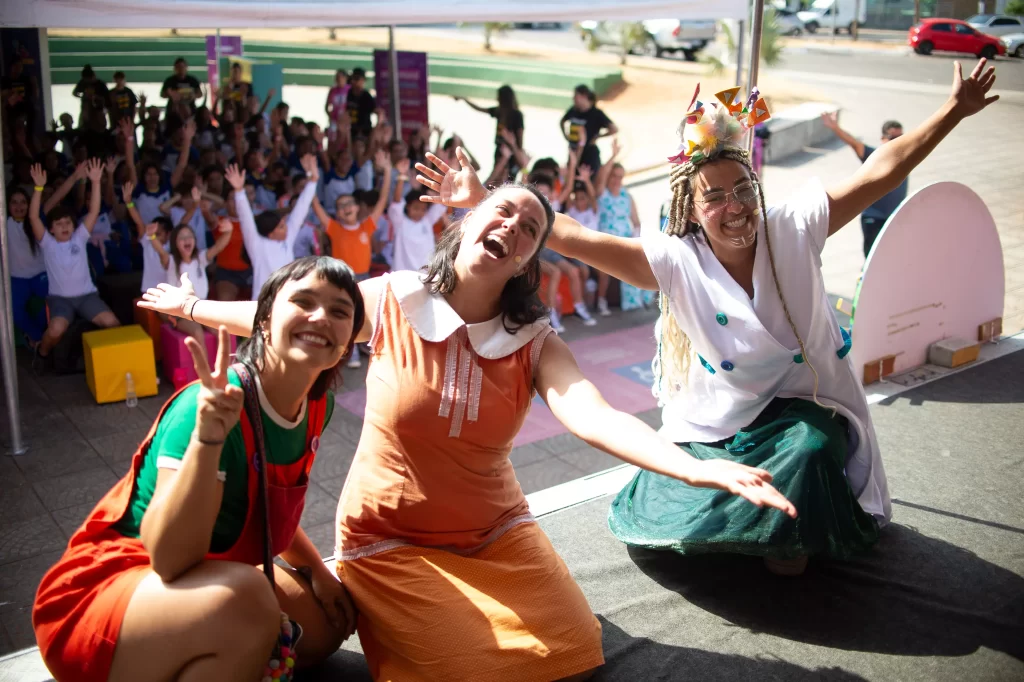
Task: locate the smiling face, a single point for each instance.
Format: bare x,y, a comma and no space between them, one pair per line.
18,206
615,179
347,210
152,179
310,323
726,204
185,243
62,229
511,223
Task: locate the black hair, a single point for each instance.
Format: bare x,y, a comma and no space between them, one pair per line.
888,126
540,178
118,74
184,189
507,98
341,72
267,222
26,224
519,303
211,169
358,73
585,90
165,223
180,60
59,212
87,71
145,169
368,197
411,197
546,164
172,248
253,350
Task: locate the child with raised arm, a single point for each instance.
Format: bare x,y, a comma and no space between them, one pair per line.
153,238
270,237
72,291
186,258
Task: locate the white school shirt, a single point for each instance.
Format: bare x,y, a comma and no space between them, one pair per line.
153,271
198,223
384,235
148,205
267,255
67,265
587,218
22,262
196,271
414,240
750,345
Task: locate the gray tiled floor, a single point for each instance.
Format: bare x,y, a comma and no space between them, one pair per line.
78,450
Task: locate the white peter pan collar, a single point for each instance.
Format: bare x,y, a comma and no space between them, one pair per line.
433,319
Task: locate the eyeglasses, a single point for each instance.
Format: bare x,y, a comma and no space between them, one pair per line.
715,201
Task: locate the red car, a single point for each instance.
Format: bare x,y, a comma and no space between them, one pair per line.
952,35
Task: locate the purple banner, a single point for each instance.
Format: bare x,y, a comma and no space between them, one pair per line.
412,87
230,46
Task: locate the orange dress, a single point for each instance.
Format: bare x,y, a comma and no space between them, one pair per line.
453,578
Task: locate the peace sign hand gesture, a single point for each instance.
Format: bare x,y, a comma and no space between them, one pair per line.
970,95
456,187
218,404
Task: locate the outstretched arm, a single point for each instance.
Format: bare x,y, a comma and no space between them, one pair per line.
891,164
621,257
94,173
66,187
583,410
39,178
831,121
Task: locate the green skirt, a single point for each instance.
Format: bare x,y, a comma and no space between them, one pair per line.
804,448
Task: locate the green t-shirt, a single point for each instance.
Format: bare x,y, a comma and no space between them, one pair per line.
284,446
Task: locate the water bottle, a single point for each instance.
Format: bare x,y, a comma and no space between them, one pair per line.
131,400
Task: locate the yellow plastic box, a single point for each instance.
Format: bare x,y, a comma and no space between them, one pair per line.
110,354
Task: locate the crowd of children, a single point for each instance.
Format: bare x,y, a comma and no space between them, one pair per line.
226,189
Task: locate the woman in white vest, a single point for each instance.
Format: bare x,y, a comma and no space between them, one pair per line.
752,365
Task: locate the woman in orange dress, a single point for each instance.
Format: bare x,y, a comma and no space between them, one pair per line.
452,576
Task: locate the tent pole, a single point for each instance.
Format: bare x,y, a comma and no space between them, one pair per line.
740,33
396,110
6,329
757,26
215,86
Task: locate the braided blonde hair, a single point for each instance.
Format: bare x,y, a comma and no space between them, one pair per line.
673,359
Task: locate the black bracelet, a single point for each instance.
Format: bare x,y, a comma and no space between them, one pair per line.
192,309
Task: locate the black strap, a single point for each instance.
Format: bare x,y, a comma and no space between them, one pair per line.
259,460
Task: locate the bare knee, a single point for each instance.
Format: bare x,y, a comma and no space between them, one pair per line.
245,605
106,319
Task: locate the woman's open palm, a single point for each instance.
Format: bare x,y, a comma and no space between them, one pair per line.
753,485
455,186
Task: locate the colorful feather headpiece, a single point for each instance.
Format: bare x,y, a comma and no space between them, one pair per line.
709,127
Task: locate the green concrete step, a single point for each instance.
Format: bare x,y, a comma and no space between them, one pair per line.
150,60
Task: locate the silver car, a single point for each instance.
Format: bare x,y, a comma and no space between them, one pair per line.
997,25
1014,44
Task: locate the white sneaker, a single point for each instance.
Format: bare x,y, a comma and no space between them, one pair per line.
581,310
556,321
602,307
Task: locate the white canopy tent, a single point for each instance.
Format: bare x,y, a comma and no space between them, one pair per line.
234,14
304,13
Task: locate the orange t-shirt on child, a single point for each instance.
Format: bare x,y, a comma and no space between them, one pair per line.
352,245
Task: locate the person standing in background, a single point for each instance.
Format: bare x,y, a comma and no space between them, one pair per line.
585,117
873,219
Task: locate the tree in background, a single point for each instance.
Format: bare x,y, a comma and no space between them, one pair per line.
492,28
1015,8
632,35
771,48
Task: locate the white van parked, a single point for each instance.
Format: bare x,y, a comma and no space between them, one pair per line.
820,16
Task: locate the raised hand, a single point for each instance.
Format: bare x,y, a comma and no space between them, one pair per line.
197,196
81,170
584,173
219,403
169,299
382,160
110,166
94,171
309,165
616,147
509,137
830,119
127,189
142,100
505,152
38,175
753,485
128,132
235,177
456,186
970,95
402,166
224,225
150,231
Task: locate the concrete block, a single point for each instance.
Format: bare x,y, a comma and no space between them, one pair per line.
953,352
796,128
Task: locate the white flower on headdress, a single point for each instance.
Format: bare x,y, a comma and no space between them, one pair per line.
710,127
